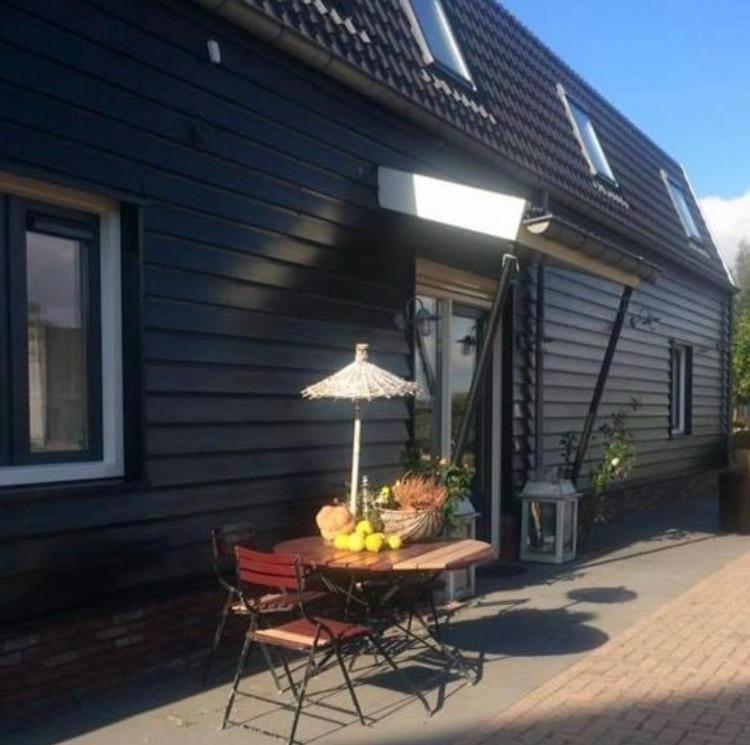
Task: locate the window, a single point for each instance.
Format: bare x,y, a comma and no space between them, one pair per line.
680,203
60,343
681,373
588,139
435,36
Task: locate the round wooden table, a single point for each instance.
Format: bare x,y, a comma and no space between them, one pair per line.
434,556
420,561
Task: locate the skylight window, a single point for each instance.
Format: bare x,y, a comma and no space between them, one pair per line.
589,140
435,36
681,207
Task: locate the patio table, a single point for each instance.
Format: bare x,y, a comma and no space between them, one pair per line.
432,556
420,562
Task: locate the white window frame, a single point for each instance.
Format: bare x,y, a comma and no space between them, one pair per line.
678,398
112,462
427,55
689,225
608,176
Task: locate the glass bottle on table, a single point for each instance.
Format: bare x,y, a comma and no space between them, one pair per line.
367,506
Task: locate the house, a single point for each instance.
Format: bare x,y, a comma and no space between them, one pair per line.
206,204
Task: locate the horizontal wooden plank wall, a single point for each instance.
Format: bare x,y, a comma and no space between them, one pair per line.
579,311
263,269
266,260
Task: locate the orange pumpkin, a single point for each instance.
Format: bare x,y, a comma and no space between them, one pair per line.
333,519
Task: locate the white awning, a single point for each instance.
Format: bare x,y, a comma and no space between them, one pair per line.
500,216
451,203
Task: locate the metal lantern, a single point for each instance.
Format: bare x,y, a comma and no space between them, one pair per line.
549,521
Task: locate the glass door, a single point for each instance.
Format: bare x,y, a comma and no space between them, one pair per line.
447,340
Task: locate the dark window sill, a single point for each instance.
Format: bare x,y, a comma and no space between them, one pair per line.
58,490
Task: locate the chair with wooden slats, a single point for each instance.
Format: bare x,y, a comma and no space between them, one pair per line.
309,633
244,602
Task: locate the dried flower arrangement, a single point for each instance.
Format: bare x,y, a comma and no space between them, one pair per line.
418,491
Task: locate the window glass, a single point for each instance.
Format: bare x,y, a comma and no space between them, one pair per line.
542,526
56,343
591,142
426,430
439,37
464,350
680,375
53,357
683,211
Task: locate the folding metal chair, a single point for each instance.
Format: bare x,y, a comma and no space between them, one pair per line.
223,542
309,634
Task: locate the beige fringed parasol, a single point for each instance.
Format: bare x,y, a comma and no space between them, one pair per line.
360,381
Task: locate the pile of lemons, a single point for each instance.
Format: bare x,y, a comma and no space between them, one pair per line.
364,537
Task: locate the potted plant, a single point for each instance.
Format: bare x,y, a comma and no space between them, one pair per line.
427,501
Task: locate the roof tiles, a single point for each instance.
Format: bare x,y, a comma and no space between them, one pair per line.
515,109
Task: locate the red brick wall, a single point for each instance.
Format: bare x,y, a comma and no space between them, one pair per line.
54,661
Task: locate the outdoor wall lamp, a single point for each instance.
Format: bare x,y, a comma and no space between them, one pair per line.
468,344
415,315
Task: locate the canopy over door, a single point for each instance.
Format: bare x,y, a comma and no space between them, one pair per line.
505,217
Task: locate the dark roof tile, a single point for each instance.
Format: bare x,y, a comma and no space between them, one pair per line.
515,108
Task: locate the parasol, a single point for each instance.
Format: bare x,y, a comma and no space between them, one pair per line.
360,381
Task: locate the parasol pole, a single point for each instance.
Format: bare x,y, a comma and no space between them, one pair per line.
355,459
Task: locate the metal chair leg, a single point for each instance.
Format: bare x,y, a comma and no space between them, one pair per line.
347,679
272,668
217,637
435,620
237,675
301,695
412,688
288,673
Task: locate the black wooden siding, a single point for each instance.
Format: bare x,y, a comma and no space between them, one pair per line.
265,261
580,310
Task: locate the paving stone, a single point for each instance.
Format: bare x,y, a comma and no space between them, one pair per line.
693,693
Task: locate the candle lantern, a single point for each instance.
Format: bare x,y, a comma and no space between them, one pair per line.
549,521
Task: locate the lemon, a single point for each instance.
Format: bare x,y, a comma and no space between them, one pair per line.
364,527
374,542
355,542
394,542
341,542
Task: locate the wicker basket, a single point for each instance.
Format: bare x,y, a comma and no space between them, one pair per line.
419,525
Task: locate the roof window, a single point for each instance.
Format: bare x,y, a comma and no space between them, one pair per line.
435,37
588,139
681,207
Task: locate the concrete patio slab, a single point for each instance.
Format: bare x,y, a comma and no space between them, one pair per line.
528,626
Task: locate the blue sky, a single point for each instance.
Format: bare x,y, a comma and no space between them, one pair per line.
680,71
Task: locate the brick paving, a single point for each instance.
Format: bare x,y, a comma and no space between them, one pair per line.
678,677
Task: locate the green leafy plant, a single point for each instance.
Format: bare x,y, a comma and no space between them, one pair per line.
741,358
616,462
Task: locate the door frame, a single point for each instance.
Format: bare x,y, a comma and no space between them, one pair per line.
449,285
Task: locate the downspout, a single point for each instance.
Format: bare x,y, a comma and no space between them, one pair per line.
539,375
